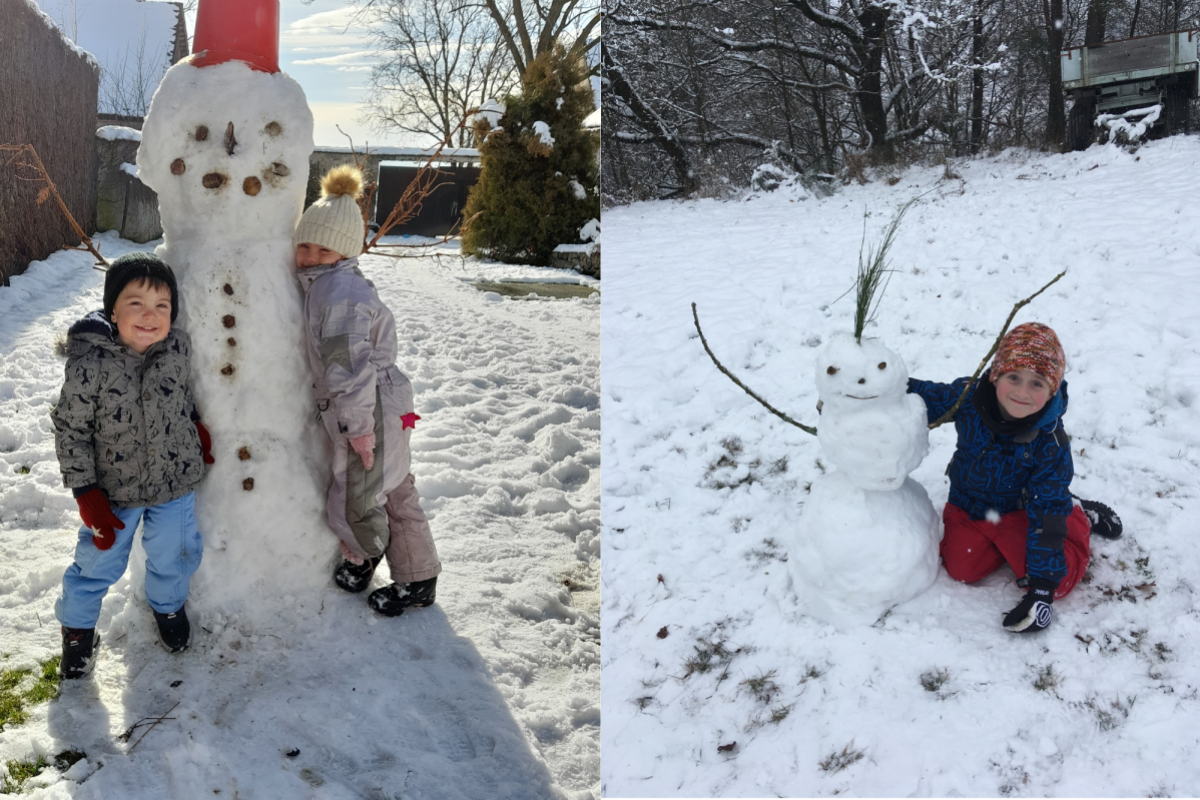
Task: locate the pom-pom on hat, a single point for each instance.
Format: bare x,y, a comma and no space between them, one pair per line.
134,267
1032,346
335,220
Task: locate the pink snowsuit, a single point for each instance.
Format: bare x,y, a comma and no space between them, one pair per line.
351,343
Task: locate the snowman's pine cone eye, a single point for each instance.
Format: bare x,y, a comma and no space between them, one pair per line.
831,371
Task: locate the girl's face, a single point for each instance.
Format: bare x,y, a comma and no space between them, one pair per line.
314,255
1022,393
142,315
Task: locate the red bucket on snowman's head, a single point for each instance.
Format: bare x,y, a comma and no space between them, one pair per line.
241,30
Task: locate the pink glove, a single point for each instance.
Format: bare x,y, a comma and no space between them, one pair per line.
350,555
365,447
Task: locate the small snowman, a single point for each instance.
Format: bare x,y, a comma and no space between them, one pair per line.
868,536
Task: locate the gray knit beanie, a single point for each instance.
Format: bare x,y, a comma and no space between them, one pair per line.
335,220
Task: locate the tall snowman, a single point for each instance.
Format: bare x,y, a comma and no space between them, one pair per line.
225,145
868,536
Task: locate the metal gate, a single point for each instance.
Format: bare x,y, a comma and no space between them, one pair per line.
439,213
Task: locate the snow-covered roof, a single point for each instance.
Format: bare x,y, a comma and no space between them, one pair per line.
132,40
592,120
407,154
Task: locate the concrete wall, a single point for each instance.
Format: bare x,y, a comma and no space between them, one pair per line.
123,203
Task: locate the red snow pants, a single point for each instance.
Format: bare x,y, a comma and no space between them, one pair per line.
972,549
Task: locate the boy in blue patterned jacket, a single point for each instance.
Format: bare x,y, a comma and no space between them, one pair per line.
1010,479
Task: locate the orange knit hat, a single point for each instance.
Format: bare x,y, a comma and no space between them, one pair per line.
1032,346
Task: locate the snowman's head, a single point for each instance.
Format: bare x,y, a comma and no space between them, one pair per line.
226,148
851,373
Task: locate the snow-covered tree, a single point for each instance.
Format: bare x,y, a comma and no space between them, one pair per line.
538,183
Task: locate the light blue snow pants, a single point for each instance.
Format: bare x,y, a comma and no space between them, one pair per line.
173,549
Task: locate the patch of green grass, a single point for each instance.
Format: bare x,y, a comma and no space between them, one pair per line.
67,758
812,673
708,657
779,714
762,688
836,762
16,691
769,551
1109,715
934,679
1046,678
21,771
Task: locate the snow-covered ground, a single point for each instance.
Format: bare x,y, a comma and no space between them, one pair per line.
493,692
713,684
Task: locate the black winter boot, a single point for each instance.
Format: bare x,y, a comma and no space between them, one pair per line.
79,652
1105,522
392,600
174,630
354,578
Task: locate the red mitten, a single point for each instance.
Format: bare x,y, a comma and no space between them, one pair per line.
409,421
365,447
97,514
205,442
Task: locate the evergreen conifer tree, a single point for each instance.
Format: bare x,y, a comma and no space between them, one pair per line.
538,184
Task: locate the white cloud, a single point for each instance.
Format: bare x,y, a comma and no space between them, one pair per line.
358,59
322,49
328,39
339,19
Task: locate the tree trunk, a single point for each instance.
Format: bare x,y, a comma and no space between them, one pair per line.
977,43
870,84
1097,16
1056,120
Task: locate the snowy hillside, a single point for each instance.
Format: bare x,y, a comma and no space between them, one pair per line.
493,692
714,683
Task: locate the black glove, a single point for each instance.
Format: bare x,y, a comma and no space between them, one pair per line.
1033,613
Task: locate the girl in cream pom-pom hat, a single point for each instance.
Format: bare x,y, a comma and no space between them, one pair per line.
366,405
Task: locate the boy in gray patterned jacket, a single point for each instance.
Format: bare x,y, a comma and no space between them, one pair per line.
131,448
366,404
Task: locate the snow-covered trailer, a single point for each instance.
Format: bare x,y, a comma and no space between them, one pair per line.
1114,77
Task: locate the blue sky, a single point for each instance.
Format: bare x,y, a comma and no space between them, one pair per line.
329,57
319,46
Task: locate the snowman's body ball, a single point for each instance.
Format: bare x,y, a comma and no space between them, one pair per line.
858,551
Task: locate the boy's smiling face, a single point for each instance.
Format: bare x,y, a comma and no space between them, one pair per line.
315,255
142,315
1022,393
